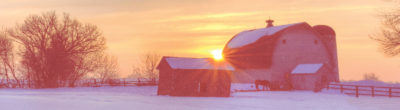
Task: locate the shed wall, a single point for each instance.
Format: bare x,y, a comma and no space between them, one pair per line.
195,83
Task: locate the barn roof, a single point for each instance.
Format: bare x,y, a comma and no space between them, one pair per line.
197,63
307,68
250,36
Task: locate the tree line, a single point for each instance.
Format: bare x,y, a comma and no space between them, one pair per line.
55,51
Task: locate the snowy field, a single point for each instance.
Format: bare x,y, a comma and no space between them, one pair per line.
145,98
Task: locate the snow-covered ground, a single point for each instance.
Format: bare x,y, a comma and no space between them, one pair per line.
145,98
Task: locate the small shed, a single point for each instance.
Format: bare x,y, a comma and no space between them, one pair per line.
309,76
194,77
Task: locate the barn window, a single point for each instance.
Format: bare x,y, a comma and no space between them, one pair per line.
284,41
315,41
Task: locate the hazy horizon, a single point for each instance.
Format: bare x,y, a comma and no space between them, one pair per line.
194,28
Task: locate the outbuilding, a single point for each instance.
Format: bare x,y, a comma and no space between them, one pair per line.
309,76
194,77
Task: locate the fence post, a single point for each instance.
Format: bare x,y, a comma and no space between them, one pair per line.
341,89
356,91
124,83
94,82
21,84
373,91
327,88
390,92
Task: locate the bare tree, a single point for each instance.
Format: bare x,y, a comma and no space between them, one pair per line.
108,68
389,37
147,66
7,60
136,73
57,51
371,76
5,48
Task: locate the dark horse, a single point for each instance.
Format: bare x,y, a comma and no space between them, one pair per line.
263,83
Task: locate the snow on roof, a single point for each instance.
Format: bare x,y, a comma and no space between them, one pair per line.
197,63
251,36
307,68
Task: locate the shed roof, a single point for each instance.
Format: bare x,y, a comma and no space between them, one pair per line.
197,63
251,36
307,68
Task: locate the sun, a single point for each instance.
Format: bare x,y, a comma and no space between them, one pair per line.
217,54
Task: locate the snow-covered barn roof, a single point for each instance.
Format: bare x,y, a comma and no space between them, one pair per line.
251,36
197,63
307,68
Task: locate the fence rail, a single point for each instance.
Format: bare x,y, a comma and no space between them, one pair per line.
120,82
85,83
373,91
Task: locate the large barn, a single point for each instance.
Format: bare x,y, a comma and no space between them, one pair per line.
194,77
292,56
274,53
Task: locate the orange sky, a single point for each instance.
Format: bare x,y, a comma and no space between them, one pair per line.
193,28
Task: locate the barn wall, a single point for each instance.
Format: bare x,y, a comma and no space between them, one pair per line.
250,75
201,83
327,76
257,55
302,46
217,83
165,77
299,48
329,38
314,81
186,83
304,81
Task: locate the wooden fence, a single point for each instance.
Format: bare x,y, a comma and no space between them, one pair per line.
87,83
118,82
373,91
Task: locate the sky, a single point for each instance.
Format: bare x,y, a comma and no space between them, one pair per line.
194,28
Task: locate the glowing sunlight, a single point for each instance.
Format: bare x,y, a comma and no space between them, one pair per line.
217,54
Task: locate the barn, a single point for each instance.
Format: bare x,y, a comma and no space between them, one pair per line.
275,53
180,76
